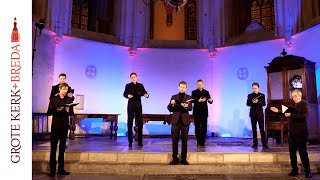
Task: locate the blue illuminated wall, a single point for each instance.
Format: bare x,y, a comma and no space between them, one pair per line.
99,71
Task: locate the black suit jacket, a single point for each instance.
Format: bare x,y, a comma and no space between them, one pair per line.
178,110
200,108
256,109
54,91
298,119
60,119
137,92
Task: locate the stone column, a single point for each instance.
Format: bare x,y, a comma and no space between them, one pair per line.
205,24
59,16
287,13
212,24
132,22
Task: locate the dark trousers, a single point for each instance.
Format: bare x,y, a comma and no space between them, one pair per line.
57,134
296,142
200,123
134,111
260,121
176,129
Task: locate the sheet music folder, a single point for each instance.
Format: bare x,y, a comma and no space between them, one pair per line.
286,109
71,104
179,102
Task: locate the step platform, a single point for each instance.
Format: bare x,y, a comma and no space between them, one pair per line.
219,156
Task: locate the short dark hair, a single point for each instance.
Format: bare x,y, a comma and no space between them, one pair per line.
200,80
63,85
133,73
255,84
183,83
63,74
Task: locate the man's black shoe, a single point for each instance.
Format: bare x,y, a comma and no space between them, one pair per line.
293,173
255,146
185,162
140,144
308,175
52,174
174,161
63,172
130,145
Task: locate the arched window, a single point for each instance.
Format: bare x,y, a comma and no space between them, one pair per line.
191,21
262,11
80,14
93,15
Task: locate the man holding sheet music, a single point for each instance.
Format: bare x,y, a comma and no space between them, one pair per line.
180,104
59,106
298,132
54,92
256,101
200,112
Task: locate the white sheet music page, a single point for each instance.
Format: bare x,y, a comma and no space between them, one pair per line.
284,108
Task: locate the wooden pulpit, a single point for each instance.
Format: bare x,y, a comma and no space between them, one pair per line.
285,74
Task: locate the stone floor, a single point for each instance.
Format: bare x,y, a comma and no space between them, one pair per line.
79,176
105,144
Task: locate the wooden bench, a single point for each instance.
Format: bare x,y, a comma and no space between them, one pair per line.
112,118
40,123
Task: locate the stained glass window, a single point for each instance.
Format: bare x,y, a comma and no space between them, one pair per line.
262,11
80,14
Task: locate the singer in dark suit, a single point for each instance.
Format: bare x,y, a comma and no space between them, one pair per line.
298,132
180,121
59,128
133,91
256,101
200,112
55,91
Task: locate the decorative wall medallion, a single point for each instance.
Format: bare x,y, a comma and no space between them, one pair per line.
91,71
242,73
